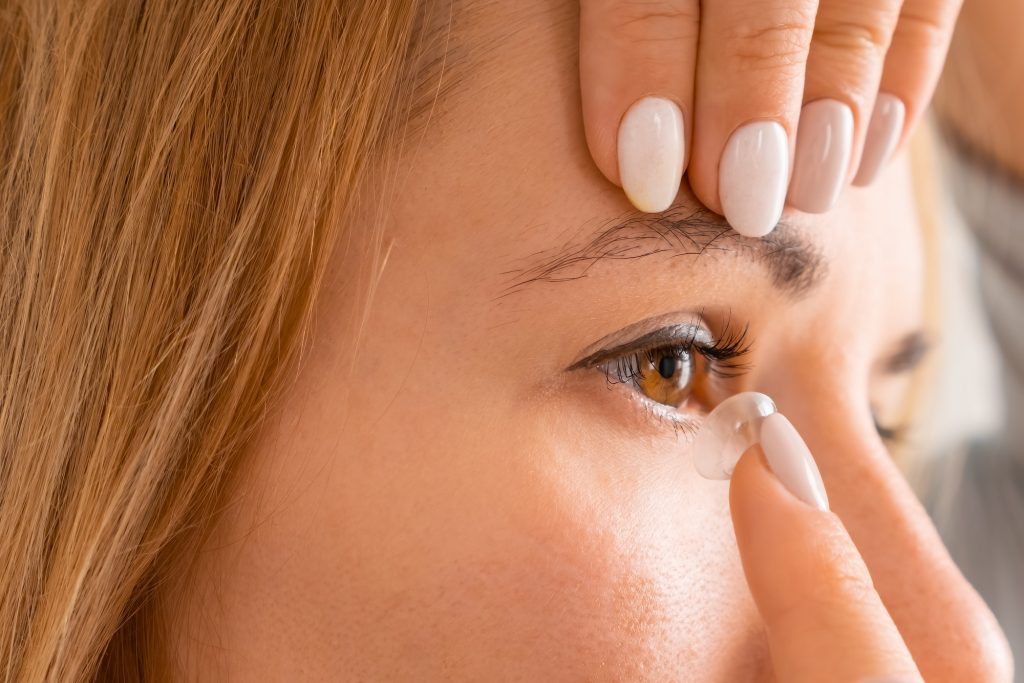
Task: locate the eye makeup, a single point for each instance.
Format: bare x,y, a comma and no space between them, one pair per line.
676,372
723,430
727,350
671,365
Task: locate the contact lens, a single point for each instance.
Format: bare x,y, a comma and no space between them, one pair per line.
729,430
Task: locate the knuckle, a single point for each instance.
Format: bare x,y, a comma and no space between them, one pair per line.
647,21
923,30
853,37
782,44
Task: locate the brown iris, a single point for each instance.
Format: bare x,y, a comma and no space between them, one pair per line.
666,376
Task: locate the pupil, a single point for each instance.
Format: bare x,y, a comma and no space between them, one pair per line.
667,367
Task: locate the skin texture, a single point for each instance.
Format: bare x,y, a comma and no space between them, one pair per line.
823,618
445,501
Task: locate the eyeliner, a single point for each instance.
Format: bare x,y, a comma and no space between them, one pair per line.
688,334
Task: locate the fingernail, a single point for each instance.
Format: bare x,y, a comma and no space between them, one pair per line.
791,461
651,153
752,177
884,131
824,138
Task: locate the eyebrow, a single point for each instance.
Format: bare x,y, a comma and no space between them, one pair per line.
794,264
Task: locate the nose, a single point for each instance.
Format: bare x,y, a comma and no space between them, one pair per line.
951,633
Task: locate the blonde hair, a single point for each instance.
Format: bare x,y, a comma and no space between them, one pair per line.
175,174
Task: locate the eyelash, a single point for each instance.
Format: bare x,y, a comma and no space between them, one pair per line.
724,359
890,434
724,356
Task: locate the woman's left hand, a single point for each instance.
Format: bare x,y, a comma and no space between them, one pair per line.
717,88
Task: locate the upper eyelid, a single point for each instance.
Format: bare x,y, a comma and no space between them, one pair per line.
689,334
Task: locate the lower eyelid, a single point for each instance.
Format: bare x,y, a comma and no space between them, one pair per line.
651,413
681,422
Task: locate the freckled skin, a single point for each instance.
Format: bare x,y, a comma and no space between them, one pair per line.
451,504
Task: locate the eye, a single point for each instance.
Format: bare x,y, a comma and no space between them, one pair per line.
666,375
669,375
675,365
890,434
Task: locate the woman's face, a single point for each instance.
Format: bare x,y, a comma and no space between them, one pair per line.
459,496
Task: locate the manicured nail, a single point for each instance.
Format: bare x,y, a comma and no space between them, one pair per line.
824,138
791,461
651,155
884,132
752,177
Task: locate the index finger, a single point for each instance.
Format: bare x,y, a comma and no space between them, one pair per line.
823,617
637,66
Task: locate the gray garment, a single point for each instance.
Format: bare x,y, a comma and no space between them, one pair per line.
975,493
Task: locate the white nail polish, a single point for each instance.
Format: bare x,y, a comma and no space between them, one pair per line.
791,461
824,140
752,177
651,152
728,431
884,130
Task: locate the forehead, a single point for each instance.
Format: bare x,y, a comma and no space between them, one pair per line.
500,175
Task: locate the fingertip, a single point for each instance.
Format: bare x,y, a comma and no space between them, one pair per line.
702,177
885,129
754,491
601,143
651,152
753,177
637,67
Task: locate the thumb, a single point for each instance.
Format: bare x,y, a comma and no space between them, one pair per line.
824,620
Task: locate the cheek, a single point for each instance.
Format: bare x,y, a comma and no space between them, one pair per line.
547,546
464,529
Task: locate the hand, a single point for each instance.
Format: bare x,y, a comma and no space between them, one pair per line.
822,615
717,88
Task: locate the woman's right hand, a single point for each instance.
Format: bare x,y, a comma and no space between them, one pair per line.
823,618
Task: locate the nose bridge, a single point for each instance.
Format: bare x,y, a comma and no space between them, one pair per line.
828,403
865,487
836,422
943,620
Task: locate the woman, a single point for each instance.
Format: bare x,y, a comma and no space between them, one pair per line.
469,471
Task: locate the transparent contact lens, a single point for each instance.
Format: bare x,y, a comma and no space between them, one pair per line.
729,430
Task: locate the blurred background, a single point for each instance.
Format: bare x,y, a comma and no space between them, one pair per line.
965,454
